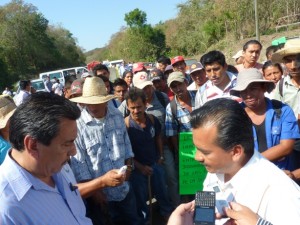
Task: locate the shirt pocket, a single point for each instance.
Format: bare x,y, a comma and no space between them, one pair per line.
93,150
118,145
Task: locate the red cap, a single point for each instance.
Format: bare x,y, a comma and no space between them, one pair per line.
177,59
137,67
92,64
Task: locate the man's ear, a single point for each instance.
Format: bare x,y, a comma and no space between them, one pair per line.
31,146
237,152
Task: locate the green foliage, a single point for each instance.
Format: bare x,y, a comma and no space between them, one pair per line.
29,46
136,18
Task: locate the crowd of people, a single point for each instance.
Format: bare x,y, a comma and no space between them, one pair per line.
61,150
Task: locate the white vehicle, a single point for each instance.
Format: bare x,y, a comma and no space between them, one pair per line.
38,84
61,74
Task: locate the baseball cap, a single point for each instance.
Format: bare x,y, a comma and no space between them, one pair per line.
137,67
141,80
196,67
175,76
177,59
156,74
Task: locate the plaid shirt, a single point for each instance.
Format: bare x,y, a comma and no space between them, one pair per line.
209,91
101,147
183,116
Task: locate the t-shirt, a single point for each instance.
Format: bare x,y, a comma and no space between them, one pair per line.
143,140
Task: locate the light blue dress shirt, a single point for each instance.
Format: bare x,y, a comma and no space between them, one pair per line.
25,199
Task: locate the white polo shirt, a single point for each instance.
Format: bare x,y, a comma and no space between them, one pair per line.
265,189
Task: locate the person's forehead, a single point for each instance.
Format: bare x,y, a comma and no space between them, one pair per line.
176,83
197,73
213,65
178,63
120,87
253,47
102,71
137,102
156,81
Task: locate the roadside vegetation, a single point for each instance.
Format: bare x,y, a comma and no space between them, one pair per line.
29,45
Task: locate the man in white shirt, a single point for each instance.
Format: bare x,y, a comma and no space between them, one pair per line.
57,87
220,81
24,93
222,134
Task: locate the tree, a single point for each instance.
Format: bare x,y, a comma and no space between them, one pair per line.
136,18
142,40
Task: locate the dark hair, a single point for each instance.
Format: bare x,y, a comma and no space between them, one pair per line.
134,94
99,67
232,69
104,78
23,84
233,124
40,118
270,49
164,60
69,80
213,57
120,82
251,42
270,63
125,73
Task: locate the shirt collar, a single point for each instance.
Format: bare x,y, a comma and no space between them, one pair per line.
236,182
20,180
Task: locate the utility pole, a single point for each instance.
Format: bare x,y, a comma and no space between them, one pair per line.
256,21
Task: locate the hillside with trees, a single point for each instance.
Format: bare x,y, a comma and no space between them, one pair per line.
199,26
29,45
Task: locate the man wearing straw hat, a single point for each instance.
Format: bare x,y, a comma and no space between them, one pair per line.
288,88
102,145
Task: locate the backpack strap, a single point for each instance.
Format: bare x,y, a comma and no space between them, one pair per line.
161,98
151,117
173,106
277,105
281,87
115,103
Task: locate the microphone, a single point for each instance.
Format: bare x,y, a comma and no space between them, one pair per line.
73,187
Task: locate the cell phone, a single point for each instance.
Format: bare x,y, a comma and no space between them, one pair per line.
205,202
122,170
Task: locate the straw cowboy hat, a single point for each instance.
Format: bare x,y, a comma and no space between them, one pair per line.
93,92
7,108
291,47
248,76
